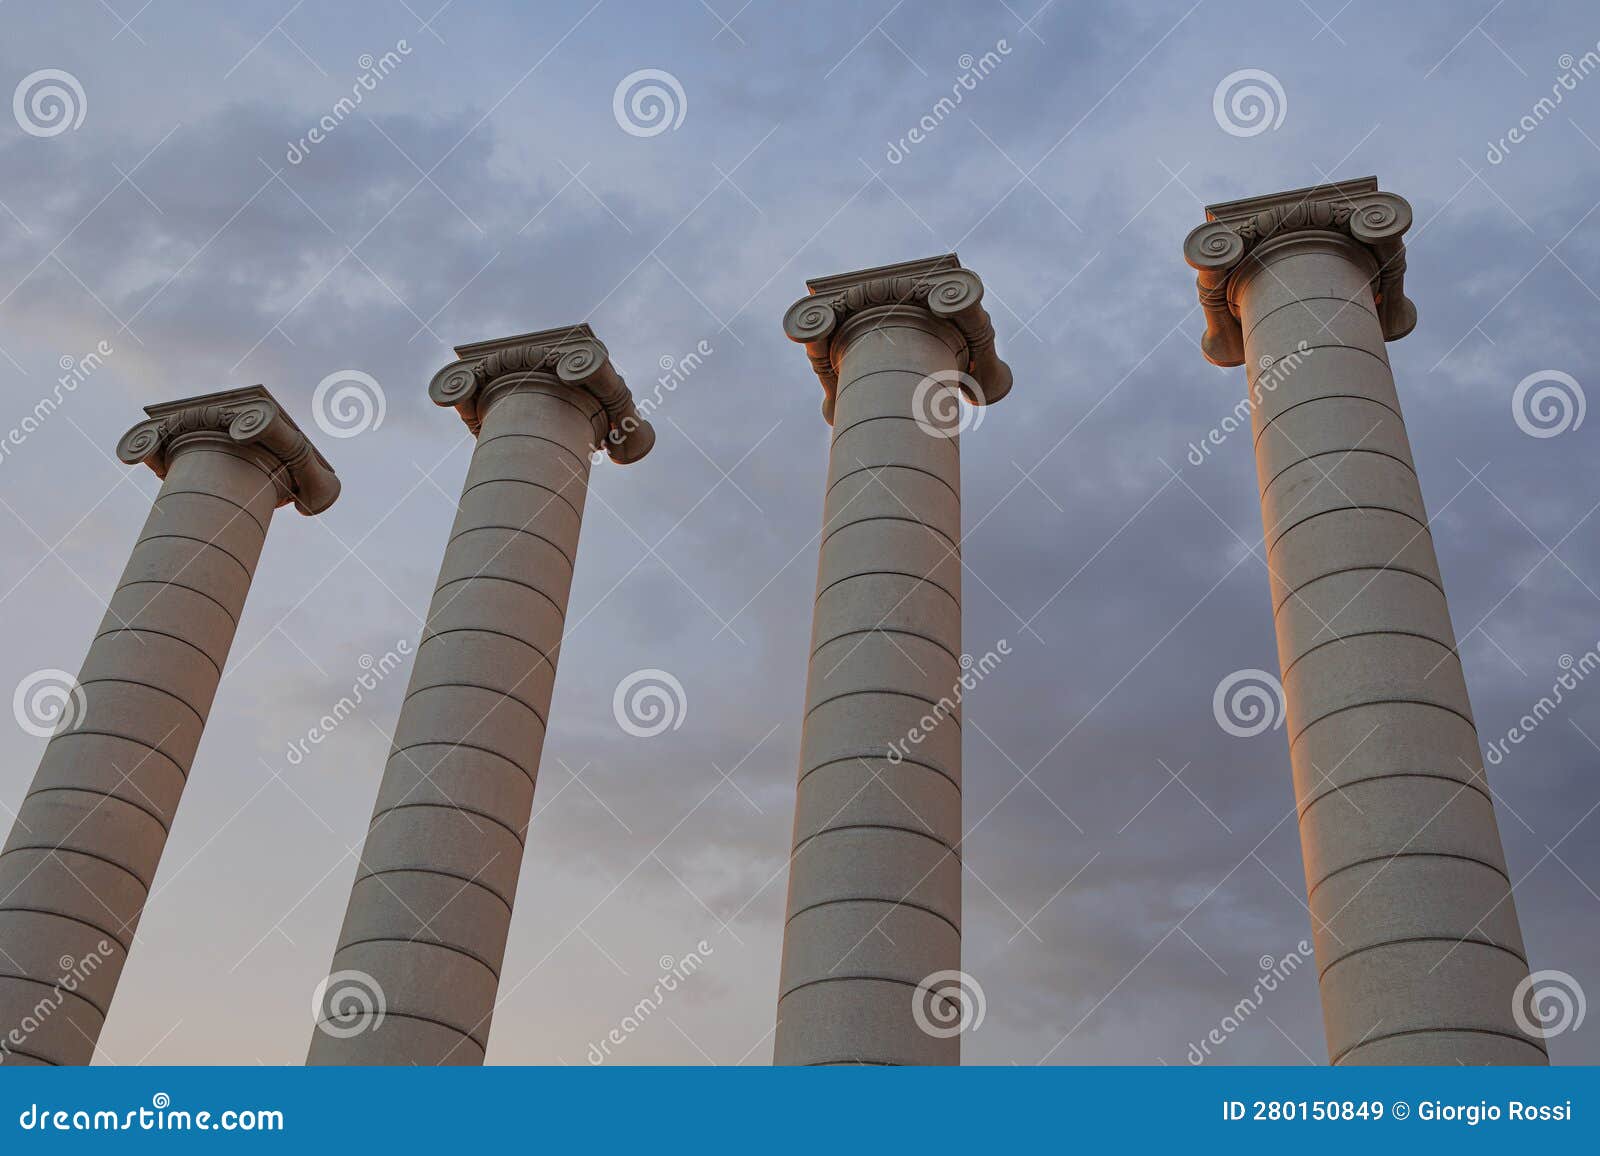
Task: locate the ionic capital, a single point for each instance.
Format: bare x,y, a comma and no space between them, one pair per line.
938,284
1234,230
572,355
249,418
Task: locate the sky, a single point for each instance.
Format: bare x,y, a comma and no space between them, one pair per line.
1131,867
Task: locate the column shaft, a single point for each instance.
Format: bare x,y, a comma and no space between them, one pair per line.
431,906
875,879
84,849
1417,942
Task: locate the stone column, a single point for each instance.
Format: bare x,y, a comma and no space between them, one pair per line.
418,963
87,840
874,912
1417,943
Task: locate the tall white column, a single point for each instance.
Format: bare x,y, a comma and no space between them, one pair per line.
1418,948
88,837
417,968
874,910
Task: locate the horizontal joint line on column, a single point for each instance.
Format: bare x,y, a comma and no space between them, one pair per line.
1324,397
893,466
1381,360
164,494
1532,1043
85,732
456,807
221,605
33,1056
887,630
890,574
861,758
461,951
540,438
147,686
1517,955
523,482
860,377
1383,702
505,696
429,635
1343,510
1370,634
1340,787
926,910
499,578
157,819
846,979
1343,453
56,985
932,438
163,634
249,573
1406,855
425,870
928,835
565,557
956,551
882,690
562,394
94,927
389,1011
1355,570
1343,301
61,849
527,774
